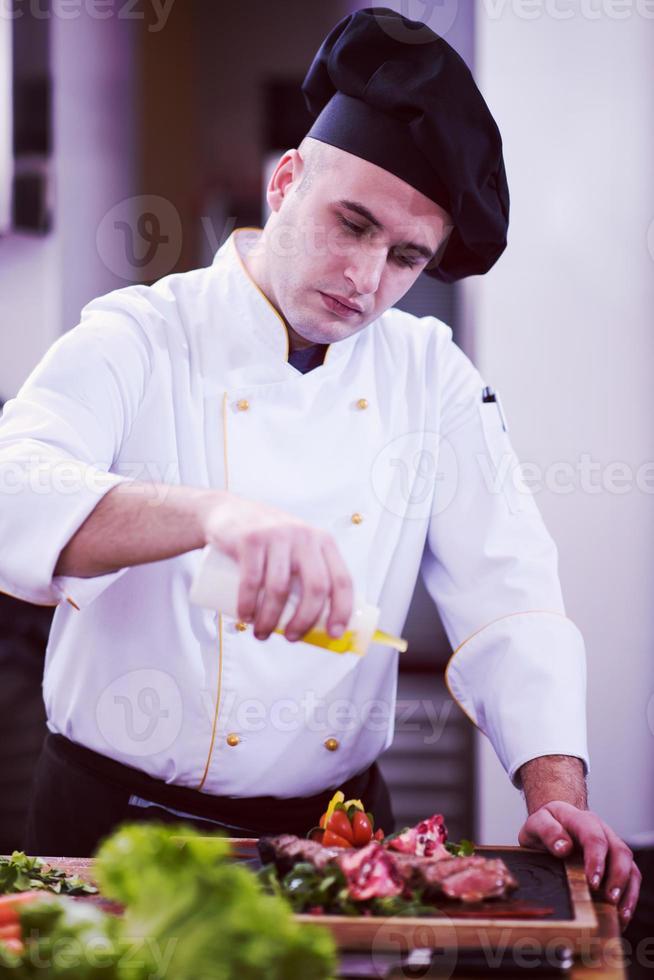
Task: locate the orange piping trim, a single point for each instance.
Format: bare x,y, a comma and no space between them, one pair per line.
261,292
215,714
214,726
454,697
45,605
258,289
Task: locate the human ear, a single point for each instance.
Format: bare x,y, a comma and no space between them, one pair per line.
286,174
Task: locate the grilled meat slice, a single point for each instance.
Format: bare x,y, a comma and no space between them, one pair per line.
287,850
370,872
420,871
469,879
492,879
427,871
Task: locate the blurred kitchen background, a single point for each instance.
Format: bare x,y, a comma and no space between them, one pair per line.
135,137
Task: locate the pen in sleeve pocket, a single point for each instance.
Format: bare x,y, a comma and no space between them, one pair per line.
488,395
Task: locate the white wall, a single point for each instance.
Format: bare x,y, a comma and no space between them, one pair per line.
563,328
45,280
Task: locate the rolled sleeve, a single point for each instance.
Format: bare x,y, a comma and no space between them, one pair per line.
522,681
59,442
518,668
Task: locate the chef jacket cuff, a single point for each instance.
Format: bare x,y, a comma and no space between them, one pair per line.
80,592
522,680
54,519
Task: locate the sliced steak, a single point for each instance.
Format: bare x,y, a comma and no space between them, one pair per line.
421,871
370,872
469,879
287,850
490,880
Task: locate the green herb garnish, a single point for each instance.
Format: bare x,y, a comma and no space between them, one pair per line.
464,848
20,873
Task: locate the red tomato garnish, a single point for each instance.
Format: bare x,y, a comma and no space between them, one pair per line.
339,823
330,839
321,822
361,829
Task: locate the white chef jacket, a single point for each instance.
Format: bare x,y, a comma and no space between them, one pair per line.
387,445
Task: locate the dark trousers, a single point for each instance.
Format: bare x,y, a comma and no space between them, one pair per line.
79,797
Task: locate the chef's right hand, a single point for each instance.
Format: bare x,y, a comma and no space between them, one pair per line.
273,548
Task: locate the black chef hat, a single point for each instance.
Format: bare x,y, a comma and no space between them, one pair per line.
415,110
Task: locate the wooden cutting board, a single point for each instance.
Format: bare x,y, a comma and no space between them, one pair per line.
556,891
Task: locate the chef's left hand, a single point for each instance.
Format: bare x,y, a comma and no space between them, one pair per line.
560,827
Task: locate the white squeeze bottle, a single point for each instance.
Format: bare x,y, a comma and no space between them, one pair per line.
216,584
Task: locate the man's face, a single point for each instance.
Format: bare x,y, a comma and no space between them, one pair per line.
353,231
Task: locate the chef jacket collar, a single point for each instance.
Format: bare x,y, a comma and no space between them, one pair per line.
267,335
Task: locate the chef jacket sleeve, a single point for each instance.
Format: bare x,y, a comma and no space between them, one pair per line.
59,439
518,667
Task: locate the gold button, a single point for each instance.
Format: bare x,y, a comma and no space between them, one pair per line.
241,627
232,739
242,404
356,518
362,403
331,744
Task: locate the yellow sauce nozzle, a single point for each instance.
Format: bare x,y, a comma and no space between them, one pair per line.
346,643
388,640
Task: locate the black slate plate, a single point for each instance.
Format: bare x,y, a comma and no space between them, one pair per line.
542,880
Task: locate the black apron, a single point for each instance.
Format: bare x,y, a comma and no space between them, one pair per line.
79,797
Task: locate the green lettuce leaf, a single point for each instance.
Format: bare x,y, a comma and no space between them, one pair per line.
198,915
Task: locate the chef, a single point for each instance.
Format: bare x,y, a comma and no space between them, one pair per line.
278,406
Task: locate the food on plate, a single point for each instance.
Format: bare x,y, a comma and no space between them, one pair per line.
385,872
371,872
287,850
482,878
403,874
470,879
